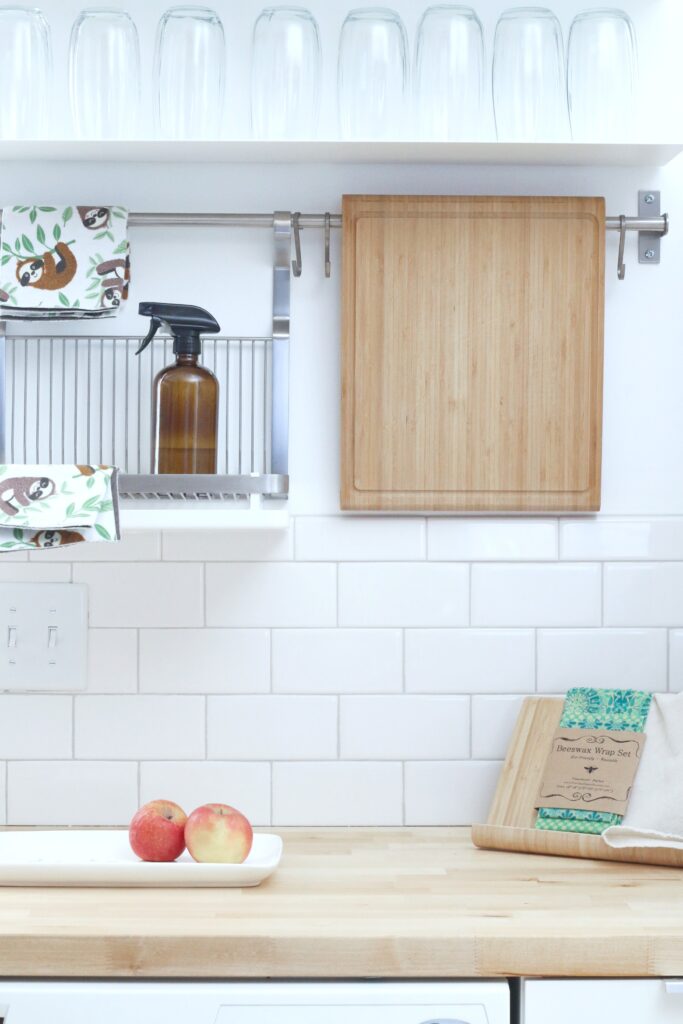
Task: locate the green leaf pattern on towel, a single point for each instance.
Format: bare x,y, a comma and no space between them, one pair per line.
81,508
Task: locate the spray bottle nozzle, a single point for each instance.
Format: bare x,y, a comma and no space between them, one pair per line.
186,324
154,326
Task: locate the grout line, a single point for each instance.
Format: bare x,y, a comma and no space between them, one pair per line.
536,638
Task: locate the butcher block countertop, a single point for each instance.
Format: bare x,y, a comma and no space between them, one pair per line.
353,903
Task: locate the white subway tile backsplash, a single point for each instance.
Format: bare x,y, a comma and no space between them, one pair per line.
493,719
34,726
112,661
469,660
644,595
536,595
393,594
204,660
359,539
271,594
3,791
607,658
347,670
140,727
71,793
404,727
628,539
338,793
134,546
193,783
229,545
143,594
337,660
272,728
449,793
475,540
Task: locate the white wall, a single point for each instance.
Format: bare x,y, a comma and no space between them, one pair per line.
354,670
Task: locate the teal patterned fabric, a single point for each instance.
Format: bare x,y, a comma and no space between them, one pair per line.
587,708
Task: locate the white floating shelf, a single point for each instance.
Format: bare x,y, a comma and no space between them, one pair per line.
203,518
336,152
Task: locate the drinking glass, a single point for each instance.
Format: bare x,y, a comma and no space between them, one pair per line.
372,75
190,73
25,73
449,74
529,94
104,74
602,69
285,74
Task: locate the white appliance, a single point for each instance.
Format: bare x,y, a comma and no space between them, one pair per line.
596,1001
200,1002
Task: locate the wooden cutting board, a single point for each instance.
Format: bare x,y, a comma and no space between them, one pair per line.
472,352
511,820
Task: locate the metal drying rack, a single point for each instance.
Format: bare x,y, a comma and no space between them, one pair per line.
92,401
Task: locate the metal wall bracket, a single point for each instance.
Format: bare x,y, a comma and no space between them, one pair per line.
649,242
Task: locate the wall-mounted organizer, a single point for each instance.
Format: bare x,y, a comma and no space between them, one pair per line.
87,399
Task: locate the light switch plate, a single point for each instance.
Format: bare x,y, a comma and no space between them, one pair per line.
43,636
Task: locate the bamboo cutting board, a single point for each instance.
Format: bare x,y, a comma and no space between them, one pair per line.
510,824
472,351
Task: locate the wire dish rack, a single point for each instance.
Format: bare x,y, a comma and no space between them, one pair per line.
89,401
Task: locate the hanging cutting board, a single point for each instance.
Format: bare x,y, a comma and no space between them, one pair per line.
472,352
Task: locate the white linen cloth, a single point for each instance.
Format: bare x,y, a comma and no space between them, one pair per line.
654,816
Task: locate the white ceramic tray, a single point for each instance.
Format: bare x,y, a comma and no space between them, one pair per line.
92,857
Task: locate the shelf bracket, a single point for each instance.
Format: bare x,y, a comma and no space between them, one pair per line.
282,285
650,242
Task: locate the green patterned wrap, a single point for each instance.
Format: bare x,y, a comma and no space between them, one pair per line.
588,708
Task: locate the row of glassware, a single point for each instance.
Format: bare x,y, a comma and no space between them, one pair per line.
539,93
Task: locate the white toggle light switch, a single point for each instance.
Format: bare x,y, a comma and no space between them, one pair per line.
44,627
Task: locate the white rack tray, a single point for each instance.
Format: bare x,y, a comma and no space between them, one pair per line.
87,857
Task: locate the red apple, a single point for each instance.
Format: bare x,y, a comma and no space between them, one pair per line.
218,834
157,831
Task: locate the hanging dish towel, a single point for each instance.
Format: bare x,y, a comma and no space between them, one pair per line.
63,262
654,817
52,506
587,708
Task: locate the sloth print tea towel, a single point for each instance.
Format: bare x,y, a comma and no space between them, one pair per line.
63,262
53,506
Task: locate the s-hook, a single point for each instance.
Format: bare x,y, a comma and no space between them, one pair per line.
296,262
621,266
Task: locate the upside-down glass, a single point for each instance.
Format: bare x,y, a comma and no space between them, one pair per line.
449,74
373,75
602,70
190,74
104,74
529,94
285,74
25,73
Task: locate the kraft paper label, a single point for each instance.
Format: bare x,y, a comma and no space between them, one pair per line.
591,769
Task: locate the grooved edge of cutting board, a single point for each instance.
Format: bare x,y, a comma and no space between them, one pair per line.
472,353
512,815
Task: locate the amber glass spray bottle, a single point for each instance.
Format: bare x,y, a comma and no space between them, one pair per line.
185,395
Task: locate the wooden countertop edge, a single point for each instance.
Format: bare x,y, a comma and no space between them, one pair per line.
209,957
